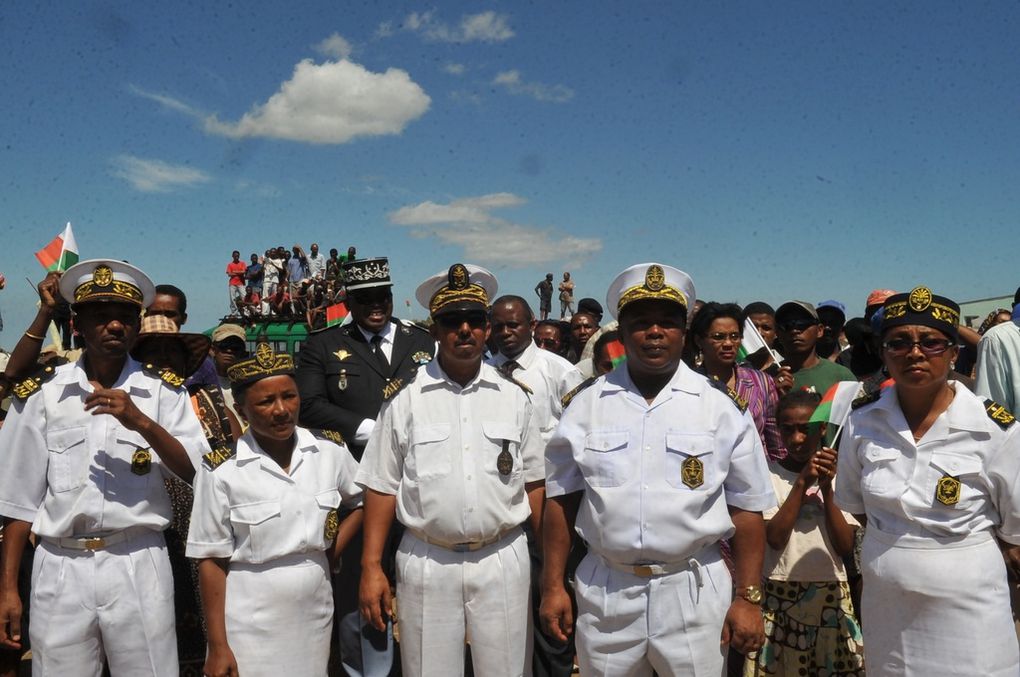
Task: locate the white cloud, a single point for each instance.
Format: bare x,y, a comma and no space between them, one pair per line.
483,27
469,223
455,68
333,102
165,101
512,82
156,176
335,46
384,30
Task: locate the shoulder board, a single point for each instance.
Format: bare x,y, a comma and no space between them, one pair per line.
166,375
569,397
520,384
407,325
217,456
33,384
396,384
729,392
865,400
328,435
999,414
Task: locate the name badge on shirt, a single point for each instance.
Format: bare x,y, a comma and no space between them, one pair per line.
692,472
947,491
505,462
332,525
141,462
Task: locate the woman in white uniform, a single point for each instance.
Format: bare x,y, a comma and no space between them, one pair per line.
934,469
266,525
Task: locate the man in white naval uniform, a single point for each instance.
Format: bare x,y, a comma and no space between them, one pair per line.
654,465
456,456
86,448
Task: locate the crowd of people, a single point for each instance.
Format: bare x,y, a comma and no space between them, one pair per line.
289,286
683,487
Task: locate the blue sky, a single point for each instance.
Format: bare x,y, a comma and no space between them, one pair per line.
773,151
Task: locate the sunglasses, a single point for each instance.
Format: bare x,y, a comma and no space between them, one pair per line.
371,296
457,320
797,325
235,347
929,345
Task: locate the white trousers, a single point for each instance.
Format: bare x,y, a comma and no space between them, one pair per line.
446,597
279,616
117,602
628,626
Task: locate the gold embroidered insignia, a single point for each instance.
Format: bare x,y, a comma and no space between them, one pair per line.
655,277
217,456
458,276
141,462
920,299
102,276
264,356
999,414
692,472
331,435
342,354
947,491
392,387
332,526
170,378
31,385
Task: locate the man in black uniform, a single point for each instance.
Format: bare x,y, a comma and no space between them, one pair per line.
344,375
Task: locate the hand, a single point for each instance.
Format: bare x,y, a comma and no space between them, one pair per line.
220,662
744,628
49,290
1012,555
784,380
10,619
557,613
374,597
824,461
118,404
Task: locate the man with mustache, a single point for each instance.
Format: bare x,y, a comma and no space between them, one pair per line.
344,374
456,457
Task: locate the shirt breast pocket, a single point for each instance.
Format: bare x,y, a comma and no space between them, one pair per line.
689,461
343,377
67,458
954,480
503,455
255,526
877,475
607,462
429,457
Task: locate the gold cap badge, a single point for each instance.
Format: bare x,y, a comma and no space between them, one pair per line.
920,299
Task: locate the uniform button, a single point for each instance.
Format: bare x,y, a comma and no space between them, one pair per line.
646,486
469,476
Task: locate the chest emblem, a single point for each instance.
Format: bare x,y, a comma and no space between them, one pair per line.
692,472
421,357
947,491
341,382
505,462
141,462
342,354
332,525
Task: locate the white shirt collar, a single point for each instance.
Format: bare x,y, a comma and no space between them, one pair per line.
386,333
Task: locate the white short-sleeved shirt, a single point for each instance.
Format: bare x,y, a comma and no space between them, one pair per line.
627,455
250,510
435,447
550,377
69,472
997,373
808,555
882,473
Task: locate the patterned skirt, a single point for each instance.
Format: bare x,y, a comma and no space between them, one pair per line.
810,629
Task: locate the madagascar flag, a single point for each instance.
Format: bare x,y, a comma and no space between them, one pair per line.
616,353
335,314
61,253
835,404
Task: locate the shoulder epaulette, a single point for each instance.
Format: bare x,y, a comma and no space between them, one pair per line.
729,392
569,397
166,375
217,456
328,435
999,414
865,400
33,384
396,384
407,325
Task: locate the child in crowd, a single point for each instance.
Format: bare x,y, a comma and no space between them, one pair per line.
810,625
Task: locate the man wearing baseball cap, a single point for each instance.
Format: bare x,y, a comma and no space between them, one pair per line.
456,457
654,465
87,446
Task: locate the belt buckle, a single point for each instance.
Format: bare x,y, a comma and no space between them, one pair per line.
644,570
93,543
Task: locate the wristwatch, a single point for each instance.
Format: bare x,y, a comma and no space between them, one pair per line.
751,593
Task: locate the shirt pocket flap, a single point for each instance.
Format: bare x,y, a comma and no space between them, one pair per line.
254,513
349,368
60,441
496,430
689,445
328,499
954,465
607,441
429,433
